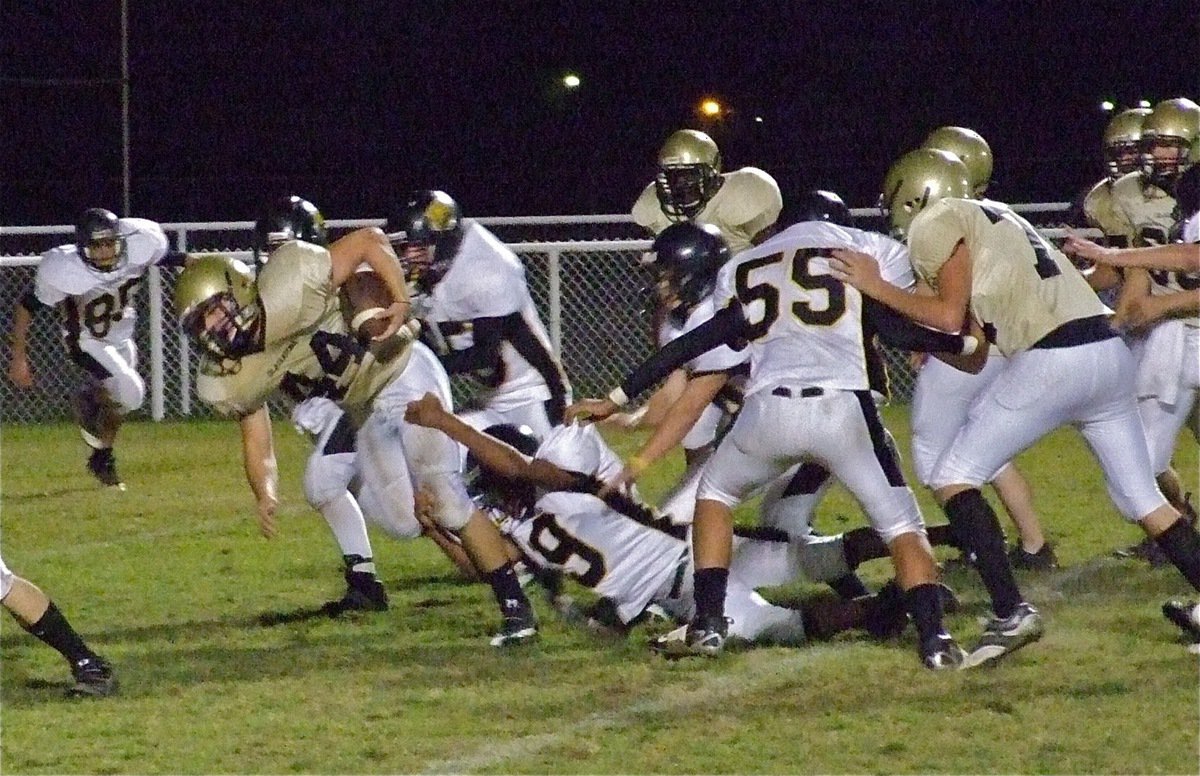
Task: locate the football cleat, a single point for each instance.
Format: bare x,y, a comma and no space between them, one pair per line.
1042,560
1004,636
102,463
364,593
93,678
1147,549
702,636
1186,616
942,654
520,628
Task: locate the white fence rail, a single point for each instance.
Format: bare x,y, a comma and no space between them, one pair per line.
590,293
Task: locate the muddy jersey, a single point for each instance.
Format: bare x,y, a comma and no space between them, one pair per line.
308,350
1022,287
1148,209
487,280
580,535
96,304
747,202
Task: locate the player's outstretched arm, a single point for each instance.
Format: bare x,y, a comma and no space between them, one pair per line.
1181,257
19,370
262,472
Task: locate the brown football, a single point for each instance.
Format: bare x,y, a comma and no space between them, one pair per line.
362,292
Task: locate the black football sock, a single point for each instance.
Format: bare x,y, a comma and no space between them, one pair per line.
1181,544
54,629
977,531
508,592
925,606
861,545
941,536
709,592
849,586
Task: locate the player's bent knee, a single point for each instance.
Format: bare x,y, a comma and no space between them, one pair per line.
454,505
128,393
326,477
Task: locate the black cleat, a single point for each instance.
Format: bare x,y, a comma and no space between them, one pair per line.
102,463
1186,616
364,593
1147,549
702,636
1042,560
519,628
942,654
93,679
886,617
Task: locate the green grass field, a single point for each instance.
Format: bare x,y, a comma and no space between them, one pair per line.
169,578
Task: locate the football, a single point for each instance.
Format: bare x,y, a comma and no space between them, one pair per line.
363,294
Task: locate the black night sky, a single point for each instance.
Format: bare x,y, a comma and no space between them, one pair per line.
352,103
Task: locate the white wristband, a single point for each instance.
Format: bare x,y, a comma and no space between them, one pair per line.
618,397
365,316
970,345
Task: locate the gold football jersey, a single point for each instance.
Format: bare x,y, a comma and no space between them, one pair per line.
1102,212
1022,287
747,202
1148,209
308,349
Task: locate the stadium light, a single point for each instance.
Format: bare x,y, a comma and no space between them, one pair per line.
1143,103
571,81
1107,106
710,107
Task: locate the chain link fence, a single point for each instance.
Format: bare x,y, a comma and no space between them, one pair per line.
590,292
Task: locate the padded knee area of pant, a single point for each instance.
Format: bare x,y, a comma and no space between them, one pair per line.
127,393
327,476
454,505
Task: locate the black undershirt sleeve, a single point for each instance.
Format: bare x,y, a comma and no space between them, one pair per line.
900,332
724,328
484,353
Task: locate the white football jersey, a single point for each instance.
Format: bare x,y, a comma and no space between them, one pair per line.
806,327
100,305
487,280
1022,287
583,537
747,202
1149,209
718,359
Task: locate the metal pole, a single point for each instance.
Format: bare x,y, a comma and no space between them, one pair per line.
125,210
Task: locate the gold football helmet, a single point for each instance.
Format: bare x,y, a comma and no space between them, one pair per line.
1122,138
970,148
689,173
1169,135
217,305
917,180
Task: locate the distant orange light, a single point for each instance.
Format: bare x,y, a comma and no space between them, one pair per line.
710,108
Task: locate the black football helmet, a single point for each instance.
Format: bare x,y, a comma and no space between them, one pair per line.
290,218
492,491
99,240
816,205
426,232
685,258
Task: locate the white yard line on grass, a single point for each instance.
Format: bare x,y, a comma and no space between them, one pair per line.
756,671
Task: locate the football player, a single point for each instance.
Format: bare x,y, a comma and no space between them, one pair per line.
741,205
689,186
808,398
942,395
631,556
93,282
1065,364
285,331
35,612
477,312
1146,197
